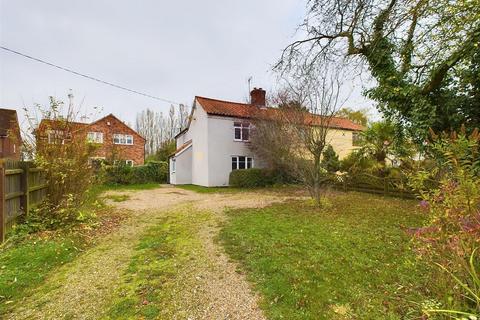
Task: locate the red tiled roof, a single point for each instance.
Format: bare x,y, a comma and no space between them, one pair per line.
244,110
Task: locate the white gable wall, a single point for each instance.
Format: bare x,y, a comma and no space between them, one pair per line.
221,149
198,132
183,167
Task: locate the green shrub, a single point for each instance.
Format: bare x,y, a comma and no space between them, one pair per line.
330,160
356,162
154,171
250,178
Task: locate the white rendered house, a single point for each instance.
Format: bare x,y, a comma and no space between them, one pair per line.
216,141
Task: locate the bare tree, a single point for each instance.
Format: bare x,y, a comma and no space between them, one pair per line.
158,129
295,135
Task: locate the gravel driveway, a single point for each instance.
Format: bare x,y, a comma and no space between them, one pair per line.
83,289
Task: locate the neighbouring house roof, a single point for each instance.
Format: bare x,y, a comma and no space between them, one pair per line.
181,148
244,110
113,116
9,122
53,124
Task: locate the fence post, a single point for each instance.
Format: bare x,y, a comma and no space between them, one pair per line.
385,186
25,199
3,218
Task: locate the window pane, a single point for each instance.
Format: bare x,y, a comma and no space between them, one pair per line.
249,163
238,133
245,134
241,163
234,163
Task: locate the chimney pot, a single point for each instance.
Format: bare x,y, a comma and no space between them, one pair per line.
257,97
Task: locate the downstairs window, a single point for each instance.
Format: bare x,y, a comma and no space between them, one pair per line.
242,162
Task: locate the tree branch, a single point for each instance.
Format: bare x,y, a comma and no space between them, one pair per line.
439,74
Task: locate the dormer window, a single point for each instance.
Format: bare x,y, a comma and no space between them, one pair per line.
241,131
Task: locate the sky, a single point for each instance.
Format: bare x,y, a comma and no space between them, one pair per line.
170,49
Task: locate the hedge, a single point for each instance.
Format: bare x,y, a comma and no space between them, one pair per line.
250,178
154,171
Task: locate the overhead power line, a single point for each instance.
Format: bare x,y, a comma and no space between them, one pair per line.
87,76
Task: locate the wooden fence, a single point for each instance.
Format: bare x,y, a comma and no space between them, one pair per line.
22,187
364,182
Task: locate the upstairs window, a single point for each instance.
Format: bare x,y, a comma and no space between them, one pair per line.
122,139
241,131
241,162
57,136
95,137
356,138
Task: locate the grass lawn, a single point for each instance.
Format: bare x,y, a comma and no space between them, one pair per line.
350,261
201,189
25,265
26,260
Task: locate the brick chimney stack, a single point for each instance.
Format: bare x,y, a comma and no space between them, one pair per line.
257,97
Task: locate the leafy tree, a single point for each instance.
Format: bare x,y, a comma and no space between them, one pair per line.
382,139
377,140
357,116
330,160
419,53
166,149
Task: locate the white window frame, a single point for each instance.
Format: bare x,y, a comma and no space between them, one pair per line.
129,163
95,137
241,126
236,159
54,136
90,159
174,165
125,139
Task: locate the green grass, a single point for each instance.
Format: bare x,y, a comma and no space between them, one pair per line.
201,189
152,285
118,197
26,264
350,261
31,254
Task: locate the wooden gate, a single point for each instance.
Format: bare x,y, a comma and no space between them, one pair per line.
22,187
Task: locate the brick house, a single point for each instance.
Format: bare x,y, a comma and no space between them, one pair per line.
10,138
116,142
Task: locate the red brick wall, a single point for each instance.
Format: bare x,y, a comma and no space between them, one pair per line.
7,149
110,126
